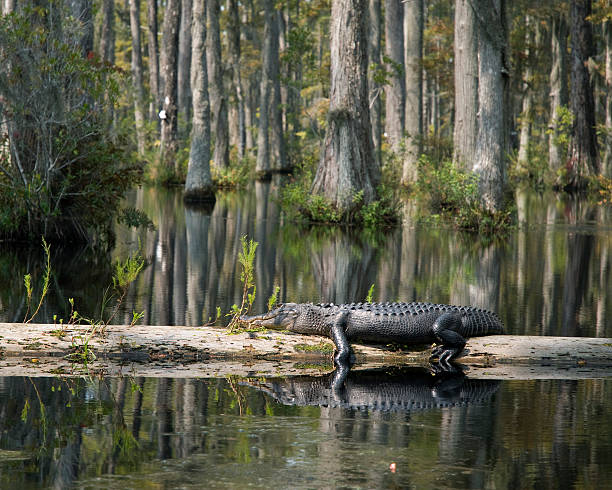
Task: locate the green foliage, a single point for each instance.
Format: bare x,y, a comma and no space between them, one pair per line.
246,257
135,218
451,194
565,120
62,177
301,206
27,279
273,299
370,294
236,175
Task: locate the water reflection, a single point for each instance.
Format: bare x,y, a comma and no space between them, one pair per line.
551,277
392,390
135,433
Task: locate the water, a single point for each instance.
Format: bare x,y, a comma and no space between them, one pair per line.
193,433
550,277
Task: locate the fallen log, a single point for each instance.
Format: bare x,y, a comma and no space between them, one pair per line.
42,349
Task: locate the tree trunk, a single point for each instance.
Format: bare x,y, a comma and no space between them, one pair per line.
169,125
137,82
394,51
375,89
184,62
489,163
466,84
607,163
198,184
279,160
218,100
107,37
270,146
582,152
413,41
526,113
234,55
155,99
345,167
558,88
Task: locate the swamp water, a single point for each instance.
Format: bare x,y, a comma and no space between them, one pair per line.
550,277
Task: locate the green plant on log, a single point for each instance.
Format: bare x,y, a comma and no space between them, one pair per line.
246,257
27,279
273,299
370,294
125,272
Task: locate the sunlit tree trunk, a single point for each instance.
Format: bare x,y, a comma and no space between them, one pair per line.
107,35
374,88
8,6
184,62
558,87
169,124
234,55
490,157
218,99
466,84
153,50
137,82
394,50
198,184
583,158
345,167
413,43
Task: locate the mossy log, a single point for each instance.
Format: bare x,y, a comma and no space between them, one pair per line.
39,350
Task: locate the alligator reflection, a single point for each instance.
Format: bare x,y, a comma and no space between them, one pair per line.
405,389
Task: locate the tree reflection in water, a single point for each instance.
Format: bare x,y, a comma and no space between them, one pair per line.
451,431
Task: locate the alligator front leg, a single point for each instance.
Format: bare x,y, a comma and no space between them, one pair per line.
338,336
444,329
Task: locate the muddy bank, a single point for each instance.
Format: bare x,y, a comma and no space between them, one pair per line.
39,349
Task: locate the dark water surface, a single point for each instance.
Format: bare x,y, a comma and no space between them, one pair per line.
552,276
222,433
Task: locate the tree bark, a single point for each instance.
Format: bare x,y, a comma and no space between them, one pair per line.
346,164
198,184
137,82
526,113
270,145
184,62
466,84
218,99
107,37
558,87
413,62
169,124
394,51
153,48
374,88
583,159
607,162
490,156
234,58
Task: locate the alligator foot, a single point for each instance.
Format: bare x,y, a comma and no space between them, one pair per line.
442,356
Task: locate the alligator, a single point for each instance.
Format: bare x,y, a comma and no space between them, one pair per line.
384,323
395,390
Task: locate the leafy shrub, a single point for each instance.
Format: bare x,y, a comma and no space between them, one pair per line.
451,194
60,176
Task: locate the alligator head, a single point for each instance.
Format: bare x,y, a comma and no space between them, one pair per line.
281,318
